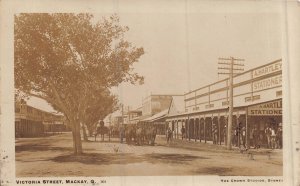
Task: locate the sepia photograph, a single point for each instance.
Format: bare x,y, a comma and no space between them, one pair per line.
108,91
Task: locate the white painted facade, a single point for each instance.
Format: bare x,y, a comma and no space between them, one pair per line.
257,85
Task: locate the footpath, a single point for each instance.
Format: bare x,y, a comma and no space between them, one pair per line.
161,140
209,146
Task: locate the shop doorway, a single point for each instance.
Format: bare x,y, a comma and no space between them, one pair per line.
262,123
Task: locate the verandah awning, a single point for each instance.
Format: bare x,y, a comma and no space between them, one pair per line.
157,116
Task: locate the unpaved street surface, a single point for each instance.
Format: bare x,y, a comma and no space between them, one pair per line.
52,156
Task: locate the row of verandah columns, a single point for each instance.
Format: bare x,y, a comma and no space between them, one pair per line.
201,128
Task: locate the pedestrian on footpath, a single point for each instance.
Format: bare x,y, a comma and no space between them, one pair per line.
273,138
225,134
215,134
183,132
243,134
235,137
239,131
169,135
268,134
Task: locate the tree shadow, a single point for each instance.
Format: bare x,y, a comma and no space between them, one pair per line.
172,158
35,148
99,158
126,158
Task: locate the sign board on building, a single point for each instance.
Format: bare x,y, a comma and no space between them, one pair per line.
273,108
267,69
267,83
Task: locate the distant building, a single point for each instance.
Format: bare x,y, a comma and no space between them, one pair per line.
155,110
176,109
31,122
154,104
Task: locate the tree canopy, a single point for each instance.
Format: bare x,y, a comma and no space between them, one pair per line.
67,58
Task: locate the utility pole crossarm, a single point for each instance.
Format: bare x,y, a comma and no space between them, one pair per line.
226,68
224,63
231,58
222,58
238,64
237,69
236,59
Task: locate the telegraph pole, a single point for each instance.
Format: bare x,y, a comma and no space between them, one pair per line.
230,64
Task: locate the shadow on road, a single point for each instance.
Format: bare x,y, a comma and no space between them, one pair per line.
99,158
126,158
171,158
35,147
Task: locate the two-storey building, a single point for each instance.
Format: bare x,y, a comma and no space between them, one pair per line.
257,101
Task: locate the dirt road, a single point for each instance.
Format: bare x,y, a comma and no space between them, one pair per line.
52,156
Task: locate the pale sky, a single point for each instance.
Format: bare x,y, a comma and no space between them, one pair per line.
184,39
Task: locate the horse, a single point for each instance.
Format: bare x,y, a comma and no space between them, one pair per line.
130,133
150,135
102,130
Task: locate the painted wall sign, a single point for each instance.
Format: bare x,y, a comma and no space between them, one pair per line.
273,108
267,83
267,69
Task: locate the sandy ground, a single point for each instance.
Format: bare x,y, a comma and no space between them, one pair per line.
52,156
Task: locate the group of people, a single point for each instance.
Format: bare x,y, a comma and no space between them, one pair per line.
273,137
239,136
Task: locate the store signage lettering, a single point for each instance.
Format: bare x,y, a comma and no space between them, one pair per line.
267,109
266,112
267,83
267,70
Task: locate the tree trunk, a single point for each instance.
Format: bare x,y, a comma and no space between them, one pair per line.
74,141
77,145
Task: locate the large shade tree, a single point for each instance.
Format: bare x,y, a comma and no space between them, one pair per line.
65,58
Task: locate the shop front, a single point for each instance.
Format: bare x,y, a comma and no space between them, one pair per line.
265,124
